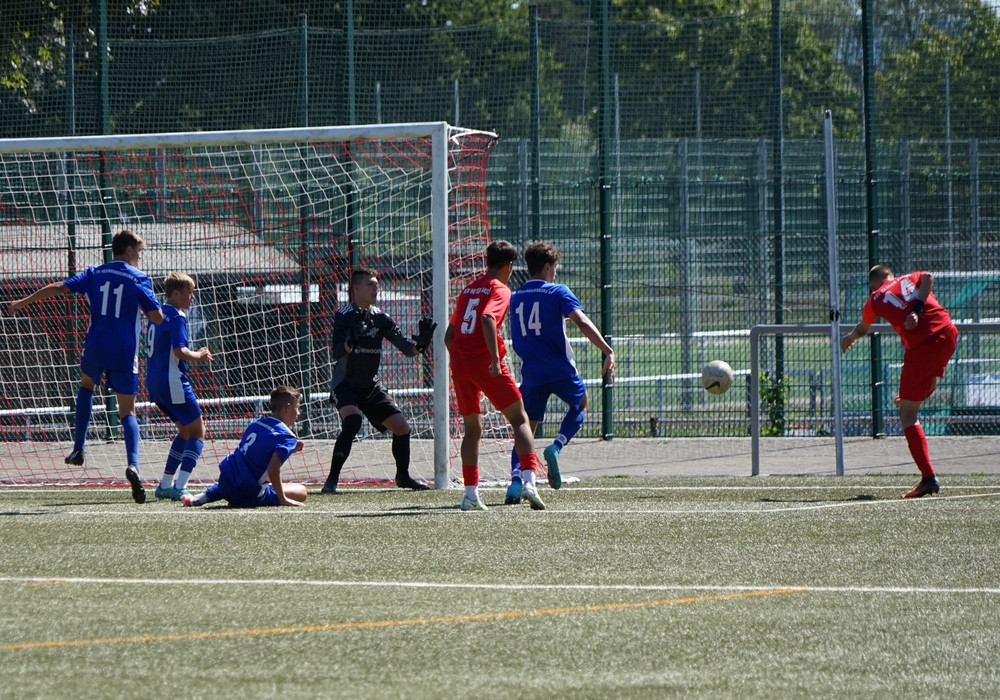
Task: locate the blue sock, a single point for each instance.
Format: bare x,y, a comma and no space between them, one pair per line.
175,455
130,429
570,426
192,453
84,407
515,468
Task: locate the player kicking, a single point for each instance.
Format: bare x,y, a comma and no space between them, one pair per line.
930,338
169,388
478,367
539,309
118,294
358,331
250,476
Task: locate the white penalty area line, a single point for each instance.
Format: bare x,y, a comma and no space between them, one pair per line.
904,590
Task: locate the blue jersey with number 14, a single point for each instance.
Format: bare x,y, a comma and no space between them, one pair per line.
117,294
538,311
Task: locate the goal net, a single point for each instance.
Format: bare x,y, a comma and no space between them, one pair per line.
269,223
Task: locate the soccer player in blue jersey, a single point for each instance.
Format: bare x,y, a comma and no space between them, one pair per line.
118,294
538,312
169,388
250,477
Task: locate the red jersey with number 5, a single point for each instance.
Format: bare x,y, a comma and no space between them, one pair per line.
893,301
487,296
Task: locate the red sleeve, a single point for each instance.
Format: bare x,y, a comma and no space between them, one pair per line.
868,313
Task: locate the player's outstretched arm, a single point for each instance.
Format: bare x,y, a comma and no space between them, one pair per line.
593,334
46,292
859,331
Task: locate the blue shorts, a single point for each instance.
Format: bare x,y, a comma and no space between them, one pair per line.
120,382
242,491
182,413
571,390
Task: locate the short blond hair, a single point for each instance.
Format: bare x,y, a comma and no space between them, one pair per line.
177,280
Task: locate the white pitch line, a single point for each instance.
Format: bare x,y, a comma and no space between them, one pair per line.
48,580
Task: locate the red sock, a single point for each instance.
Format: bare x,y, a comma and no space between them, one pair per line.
529,461
917,442
470,475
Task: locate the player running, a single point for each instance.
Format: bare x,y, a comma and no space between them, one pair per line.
538,312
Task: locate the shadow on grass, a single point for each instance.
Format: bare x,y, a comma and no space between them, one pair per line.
859,497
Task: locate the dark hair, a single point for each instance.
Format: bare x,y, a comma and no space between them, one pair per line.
499,253
283,396
879,274
124,240
359,272
539,254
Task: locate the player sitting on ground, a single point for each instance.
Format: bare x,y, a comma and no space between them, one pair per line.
250,476
358,331
538,312
169,387
118,293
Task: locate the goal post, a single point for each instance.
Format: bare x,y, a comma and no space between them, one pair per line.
269,223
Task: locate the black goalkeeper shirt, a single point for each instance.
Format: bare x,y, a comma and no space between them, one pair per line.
360,367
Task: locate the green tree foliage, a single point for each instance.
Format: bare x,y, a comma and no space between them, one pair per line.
912,90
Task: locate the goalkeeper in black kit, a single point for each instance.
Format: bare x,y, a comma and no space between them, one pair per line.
358,331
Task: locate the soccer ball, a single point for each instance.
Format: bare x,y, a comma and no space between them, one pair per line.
716,377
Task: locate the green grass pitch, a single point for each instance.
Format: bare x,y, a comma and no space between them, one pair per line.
724,587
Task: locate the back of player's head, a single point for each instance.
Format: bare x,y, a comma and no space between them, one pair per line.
500,253
284,396
539,254
361,274
177,280
124,240
877,275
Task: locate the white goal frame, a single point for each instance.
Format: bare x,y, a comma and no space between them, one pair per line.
440,134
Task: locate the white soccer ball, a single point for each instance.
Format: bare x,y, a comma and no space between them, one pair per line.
716,377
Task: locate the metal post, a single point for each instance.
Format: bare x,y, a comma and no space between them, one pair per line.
777,131
607,425
868,95
834,274
536,127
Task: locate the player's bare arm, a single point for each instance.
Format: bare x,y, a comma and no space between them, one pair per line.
274,476
593,334
859,331
46,292
924,290
193,355
489,325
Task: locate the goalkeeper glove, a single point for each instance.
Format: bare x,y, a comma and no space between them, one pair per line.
425,334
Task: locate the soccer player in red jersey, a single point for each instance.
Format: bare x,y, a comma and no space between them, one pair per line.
929,336
478,368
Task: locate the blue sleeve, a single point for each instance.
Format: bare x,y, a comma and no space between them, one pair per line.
147,300
285,446
568,301
80,283
179,331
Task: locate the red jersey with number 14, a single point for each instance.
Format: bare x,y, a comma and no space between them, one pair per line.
487,296
893,301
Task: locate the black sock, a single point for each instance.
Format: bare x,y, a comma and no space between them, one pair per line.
342,447
401,453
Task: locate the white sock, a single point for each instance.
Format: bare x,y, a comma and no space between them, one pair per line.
528,477
182,479
166,481
200,500
472,493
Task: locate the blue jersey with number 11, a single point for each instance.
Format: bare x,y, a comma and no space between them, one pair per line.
538,311
117,294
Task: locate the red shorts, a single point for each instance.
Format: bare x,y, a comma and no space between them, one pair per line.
472,379
925,363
